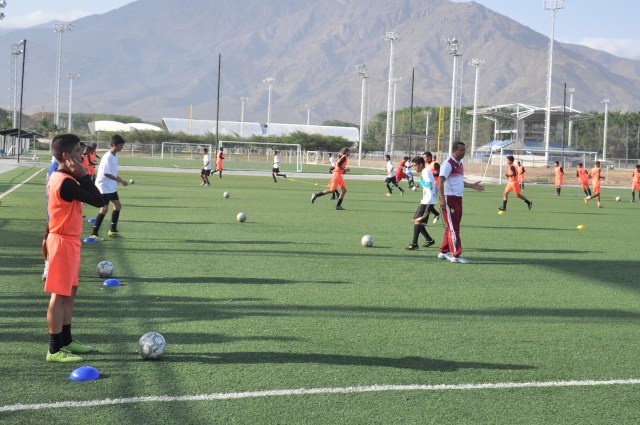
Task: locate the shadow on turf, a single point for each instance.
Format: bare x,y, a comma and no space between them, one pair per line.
225,280
413,363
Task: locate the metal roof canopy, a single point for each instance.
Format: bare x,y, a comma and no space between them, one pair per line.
25,134
533,114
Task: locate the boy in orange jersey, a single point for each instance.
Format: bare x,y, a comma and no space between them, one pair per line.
219,159
521,172
512,185
595,181
68,188
336,180
583,178
559,173
635,184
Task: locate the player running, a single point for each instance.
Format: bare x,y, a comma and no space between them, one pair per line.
391,177
595,181
512,185
421,217
337,180
583,178
635,184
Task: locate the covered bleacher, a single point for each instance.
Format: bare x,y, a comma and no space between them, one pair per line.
14,137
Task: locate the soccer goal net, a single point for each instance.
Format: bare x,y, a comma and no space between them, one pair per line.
259,156
172,150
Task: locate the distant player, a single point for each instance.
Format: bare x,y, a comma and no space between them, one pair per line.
559,173
595,182
583,178
107,182
205,172
512,185
404,171
421,217
337,180
275,170
635,184
391,177
219,159
332,161
521,172
433,166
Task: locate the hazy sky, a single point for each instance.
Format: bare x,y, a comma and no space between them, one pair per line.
608,26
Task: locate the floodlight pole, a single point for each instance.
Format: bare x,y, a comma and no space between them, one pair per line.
269,81
426,131
553,6
390,37
571,91
606,122
393,116
243,100
476,63
16,50
362,71
453,51
24,55
71,76
59,29
309,107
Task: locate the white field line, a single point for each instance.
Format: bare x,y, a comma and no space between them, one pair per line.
311,391
2,195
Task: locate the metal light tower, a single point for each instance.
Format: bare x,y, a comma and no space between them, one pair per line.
606,122
243,100
16,50
309,107
476,63
453,44
269,81
393,115
571,91
59,29
3,4
71,76
426,131
553,6
390,37
362,71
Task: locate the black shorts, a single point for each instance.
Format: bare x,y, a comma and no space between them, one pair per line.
275,170
391,180
420,212
110,197
205,173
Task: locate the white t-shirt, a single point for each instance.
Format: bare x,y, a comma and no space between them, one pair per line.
390,171
276,161
428,188
453,172
206,161
332,160
108,165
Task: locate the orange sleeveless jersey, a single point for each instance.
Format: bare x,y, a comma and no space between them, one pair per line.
636,177
512,173
521,173
336,180
432,168
595,176
65,218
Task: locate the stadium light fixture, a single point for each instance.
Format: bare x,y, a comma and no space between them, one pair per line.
243,100
553,6
454,46
270,82
476,63
606,122
309,107
390,37
571,91
71,76
3,4
59,29
362,72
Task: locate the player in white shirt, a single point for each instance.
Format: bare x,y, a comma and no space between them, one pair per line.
275,171
391,177
206,168
421,217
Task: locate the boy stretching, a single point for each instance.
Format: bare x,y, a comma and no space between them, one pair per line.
69,186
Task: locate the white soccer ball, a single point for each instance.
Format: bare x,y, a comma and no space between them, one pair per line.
241,217
132,181
226,194
618,199
367,241
151,346
104,268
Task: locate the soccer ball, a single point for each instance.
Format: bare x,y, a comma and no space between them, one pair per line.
104,268
226,194
367,241
151,346
241,217
132,181
618,199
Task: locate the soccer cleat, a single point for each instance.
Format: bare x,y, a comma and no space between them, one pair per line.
202,184
339,207
96,237
401,192
436,219
427,244
444,256
76,347
313,197
412,247
530,204
208,184
501,209
284,175
113,234
586,201
458,260
389,194
62,357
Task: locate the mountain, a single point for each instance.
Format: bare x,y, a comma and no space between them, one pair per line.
155,58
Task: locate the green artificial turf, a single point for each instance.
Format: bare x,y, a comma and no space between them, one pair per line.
290,299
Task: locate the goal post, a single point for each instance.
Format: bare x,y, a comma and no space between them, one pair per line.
253,155
174,150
